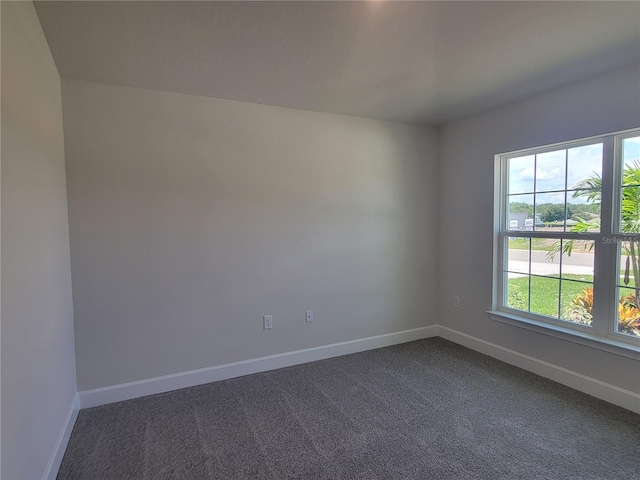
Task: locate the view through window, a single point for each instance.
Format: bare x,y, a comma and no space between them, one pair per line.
569,236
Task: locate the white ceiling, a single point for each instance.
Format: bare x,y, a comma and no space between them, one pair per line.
420,62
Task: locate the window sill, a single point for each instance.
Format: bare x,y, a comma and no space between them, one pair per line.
606,344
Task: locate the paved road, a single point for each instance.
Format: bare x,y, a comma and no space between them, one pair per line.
577,263
540,256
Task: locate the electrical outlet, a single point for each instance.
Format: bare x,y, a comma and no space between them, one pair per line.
456,301
309,315
267,322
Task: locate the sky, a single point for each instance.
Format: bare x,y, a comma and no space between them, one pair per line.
547,172
631,149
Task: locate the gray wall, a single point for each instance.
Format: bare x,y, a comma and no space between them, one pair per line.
192,217
38,371
466,155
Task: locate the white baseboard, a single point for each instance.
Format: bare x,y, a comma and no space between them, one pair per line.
53,466
126,391
602,390
166,383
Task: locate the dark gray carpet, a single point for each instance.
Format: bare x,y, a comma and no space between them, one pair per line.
423,410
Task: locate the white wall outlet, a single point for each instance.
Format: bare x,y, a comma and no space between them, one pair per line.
267,322
309,317
456,301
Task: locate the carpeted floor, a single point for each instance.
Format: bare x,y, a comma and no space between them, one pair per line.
423,410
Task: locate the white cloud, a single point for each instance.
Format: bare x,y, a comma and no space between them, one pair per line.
553,174
526,174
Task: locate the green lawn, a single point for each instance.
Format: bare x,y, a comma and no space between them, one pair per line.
523,243
544,293
544,297
546,244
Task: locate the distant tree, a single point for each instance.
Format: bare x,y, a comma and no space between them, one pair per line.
541,209
521,207
583,210
554,213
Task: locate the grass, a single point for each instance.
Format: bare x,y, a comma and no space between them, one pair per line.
545,292
536,243
545,244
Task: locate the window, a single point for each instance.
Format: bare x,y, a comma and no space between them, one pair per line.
568,238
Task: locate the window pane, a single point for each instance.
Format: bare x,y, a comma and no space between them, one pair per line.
630,191
630,209
630,151
583,211
521,172
550,211
520,214
550,171
578,260
628,294
628,313
629,264
545,257
545,292
584,167
518,255
517,294
584,181
576,302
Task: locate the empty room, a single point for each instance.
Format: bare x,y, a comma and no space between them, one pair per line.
320,240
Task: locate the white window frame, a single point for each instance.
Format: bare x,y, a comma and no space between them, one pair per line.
602,332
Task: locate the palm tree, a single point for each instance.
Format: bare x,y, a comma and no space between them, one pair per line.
591,190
